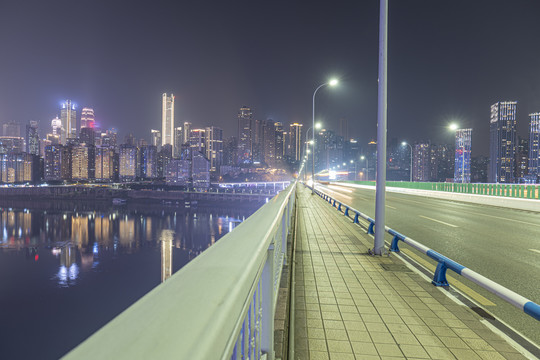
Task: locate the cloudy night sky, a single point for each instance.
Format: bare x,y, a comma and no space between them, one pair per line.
447,61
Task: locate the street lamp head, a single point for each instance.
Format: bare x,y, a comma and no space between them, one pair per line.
333,82
352,161
344,164
318,125
362,157
403,143
453,126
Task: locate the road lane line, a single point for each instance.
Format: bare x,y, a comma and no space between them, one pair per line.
535,250
339,188
391,207
439,221
340,194
501,218
451,280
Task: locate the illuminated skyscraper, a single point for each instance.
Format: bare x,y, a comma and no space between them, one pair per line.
462,168
128,162
68,115
167,120
178,141
245,136
156,137
32,138
79,162
187,130
295,142
87,118
104,164
534,146
214,147
149,159
421,162
57,163
502,147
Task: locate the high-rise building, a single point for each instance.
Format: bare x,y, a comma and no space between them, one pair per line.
245,135
68,115
295,142
87,136
187,132
214,147
32,138
167,120
156,138
534,146
128,162
104,164
87,118
230,151
421,162
279,143
200,170
269,143
178,141
16,167
149,160
502,145
197,140
79,162
462,169
57,163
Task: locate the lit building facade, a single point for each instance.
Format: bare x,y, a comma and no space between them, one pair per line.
68,116
295,142
177,172
534,146
32,138
128,163
421,162
87,118
16,168
462,169
502,147
104,164
214,147
167,120
149,161
57,163
245,135
200,171
79,163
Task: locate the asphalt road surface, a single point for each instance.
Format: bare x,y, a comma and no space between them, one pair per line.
501,244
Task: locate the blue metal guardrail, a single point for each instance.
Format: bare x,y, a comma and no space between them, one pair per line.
221,305
443,263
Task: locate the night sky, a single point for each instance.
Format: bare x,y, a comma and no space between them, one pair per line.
447,60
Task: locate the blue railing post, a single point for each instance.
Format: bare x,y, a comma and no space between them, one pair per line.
394,247
370,229
346,211
356,217
439,278
339,206
334,204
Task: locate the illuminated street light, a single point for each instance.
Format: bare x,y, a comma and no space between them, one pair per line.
404,143
367,166
453,126
332,83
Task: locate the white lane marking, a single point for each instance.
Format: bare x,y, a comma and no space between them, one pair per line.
535,250
391,207
439,221
502,218
340,194
339,188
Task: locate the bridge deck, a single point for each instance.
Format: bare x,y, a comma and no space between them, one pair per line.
349,305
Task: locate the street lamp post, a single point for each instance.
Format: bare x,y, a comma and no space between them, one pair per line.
317,126
410,167
332,82
352,161
367,166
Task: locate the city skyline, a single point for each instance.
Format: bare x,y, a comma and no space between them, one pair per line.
212,75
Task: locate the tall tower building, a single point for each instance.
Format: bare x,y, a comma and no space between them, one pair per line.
156,137
32,138
214,147
87,118
245,135
462,168
502,146
421,162
187,131
167,120
295,142
534,146
68,115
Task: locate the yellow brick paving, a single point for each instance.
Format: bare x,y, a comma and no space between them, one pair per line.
348,306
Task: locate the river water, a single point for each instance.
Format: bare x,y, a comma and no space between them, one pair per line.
66,269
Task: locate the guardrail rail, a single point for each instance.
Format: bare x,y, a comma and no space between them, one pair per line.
221,305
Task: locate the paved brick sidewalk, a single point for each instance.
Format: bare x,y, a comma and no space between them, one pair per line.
349,305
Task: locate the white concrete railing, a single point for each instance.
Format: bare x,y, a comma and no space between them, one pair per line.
221,305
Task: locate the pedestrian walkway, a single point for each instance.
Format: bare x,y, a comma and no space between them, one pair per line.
349,305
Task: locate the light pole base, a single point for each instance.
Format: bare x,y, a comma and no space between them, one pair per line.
381,252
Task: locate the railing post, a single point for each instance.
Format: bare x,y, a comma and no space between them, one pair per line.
370,229
356,218
394,246
267,306
346,211
439,278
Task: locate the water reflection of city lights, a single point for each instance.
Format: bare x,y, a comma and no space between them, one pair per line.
96,248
